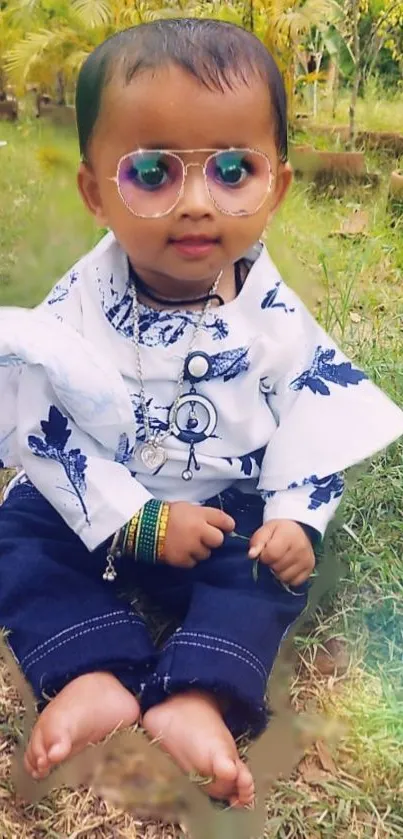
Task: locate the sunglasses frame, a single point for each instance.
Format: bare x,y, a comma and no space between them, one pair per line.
185,166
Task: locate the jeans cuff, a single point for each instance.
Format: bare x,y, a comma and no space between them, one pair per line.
116,642
197,661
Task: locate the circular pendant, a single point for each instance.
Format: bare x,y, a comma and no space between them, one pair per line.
153,456
197,366
202,410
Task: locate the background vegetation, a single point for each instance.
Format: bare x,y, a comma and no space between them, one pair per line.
350,669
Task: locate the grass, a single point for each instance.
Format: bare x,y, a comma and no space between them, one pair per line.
377,111
354,787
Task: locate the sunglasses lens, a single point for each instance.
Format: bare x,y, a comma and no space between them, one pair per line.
238,180
150,182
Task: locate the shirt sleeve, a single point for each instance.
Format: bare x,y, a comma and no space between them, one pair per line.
92,489
69,416
329,417
313,504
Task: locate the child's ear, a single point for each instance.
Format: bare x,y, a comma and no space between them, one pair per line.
282,185
89,191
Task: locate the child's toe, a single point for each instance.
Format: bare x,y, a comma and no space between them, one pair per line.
40,760
224,772
35,758
245,787
60,749
225,769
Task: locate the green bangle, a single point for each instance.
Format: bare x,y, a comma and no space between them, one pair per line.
124,538
147,532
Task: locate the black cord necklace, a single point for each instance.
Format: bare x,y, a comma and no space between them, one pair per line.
144,289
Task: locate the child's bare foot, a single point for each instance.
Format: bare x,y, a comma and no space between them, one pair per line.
85,711
193,732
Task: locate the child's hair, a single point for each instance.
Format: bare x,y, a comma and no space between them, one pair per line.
214,52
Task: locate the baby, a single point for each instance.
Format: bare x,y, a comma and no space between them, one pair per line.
179,420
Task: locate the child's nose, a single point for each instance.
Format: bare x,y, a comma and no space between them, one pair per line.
195,200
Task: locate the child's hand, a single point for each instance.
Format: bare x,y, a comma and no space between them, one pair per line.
193,532
284,546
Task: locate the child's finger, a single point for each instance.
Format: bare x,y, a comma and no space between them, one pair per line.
256,550
275,549
300,578
290,574
200,554
279,565
217,518
211,536
259,540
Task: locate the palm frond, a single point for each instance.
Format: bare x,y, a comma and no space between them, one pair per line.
74,61
37,47
92,13
229,12
24,5
137,12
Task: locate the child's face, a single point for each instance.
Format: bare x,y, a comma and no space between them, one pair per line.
169,109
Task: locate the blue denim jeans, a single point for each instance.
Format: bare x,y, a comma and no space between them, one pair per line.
65,620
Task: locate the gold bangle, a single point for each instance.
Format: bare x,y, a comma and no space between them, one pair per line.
131,533
162,530
138,529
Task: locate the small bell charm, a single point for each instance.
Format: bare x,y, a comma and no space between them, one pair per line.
110,573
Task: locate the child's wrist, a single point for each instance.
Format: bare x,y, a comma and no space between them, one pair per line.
147,532
143,537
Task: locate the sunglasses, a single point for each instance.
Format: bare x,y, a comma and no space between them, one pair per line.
151,182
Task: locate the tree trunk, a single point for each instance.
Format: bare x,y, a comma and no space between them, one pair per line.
335,89
318,62
2,82
248,17
357,72
60,88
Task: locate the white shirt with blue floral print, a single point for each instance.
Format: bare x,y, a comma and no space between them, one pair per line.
275,406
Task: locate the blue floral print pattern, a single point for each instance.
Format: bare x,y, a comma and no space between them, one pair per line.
156,424
228,364
248,461
124,451
325,489
270,301
157,328
166,328
324,370
267,493
117,308
53,446
62,289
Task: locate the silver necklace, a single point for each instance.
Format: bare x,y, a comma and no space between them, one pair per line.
152,453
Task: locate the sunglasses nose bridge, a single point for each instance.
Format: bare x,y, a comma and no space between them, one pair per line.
187,166
194,197
194,184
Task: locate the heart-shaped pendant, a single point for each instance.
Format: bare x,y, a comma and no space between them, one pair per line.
153,456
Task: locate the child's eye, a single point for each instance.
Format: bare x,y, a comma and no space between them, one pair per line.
149,172
231,168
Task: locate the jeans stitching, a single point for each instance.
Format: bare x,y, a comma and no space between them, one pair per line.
218,650
207,636
73,637
71,629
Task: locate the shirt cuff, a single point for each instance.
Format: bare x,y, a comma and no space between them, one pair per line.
113,504
299,504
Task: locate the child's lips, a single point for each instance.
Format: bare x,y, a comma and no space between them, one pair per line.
194,246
